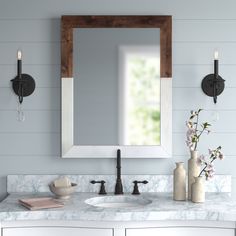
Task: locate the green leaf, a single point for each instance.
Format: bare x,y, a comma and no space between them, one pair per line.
205,125
191,117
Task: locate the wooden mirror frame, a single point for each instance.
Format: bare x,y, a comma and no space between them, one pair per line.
68,24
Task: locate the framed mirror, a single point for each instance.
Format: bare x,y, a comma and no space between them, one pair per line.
116,86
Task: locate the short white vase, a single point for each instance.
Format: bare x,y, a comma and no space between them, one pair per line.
179,193
198,190
193,171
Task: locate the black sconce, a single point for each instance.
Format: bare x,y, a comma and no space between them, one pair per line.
213,85
23,84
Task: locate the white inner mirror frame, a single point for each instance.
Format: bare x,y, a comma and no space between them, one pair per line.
70,150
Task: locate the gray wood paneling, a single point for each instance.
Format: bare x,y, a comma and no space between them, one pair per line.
193,98
204,30
29,144
184,9
192,75
41,99
202,53
226,140
37,121
37,30
46,165
199,27
225,166
44,75
225,123
33,53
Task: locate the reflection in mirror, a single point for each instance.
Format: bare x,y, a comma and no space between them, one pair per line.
139,95
116,86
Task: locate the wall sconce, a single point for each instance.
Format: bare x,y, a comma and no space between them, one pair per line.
23,85
213,85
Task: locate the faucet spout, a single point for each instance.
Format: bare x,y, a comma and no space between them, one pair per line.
118,187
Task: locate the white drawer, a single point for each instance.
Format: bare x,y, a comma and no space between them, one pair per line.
180,231
56,231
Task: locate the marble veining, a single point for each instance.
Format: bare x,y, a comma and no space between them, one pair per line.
157,183
218,207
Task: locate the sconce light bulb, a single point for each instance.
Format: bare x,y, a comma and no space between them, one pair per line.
216,55
19,55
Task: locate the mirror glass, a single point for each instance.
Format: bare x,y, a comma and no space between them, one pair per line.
116,86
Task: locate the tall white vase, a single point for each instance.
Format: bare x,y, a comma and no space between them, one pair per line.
193,171
198,190
179,193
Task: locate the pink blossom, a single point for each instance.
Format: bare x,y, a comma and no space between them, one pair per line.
210,151
210,167
194,113
211,173
190,132
190,144
209,177
189,124
201,159
190,135
221,156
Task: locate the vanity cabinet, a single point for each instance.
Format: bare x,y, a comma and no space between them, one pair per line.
71,231
180,231
125,228
56,231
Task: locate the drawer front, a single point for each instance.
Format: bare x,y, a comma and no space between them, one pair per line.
180,231
56,231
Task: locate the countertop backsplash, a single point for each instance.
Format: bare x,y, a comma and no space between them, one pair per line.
156,183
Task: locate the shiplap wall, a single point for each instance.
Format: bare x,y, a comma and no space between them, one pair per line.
33,147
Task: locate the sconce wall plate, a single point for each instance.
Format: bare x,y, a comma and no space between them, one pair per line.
208,85
27,84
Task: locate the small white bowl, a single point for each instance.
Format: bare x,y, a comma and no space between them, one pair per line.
63,192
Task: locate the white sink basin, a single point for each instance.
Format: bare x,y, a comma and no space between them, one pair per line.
118,201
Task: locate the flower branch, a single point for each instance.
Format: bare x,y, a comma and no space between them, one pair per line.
208,168
193,132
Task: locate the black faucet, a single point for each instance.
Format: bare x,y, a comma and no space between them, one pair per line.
136,190
118,187
102,188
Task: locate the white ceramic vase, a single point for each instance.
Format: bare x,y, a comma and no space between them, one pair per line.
198,190
179,193
193,171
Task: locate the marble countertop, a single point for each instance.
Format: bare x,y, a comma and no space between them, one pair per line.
218,207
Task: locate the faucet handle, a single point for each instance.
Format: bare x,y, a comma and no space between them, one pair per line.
102,188
136,190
